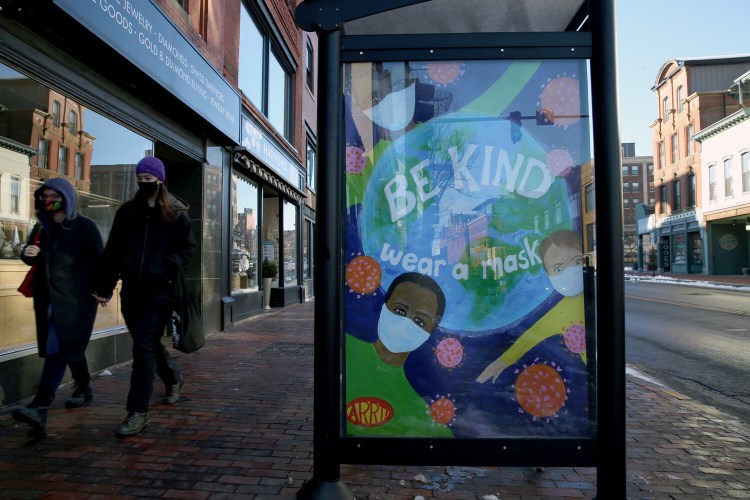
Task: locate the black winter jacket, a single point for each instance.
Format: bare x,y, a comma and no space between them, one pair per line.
145,251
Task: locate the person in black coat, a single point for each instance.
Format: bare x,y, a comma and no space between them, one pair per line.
66,247
150,243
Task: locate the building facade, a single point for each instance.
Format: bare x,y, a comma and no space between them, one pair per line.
691,94
725,186
218,90
637,190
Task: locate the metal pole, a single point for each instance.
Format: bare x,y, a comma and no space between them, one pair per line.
611,476
325,483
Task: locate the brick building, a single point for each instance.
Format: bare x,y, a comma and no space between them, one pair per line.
222,91
691,94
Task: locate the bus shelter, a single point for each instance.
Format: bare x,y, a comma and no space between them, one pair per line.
460,318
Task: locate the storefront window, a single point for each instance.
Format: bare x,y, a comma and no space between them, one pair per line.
271,250
680,249
36,145
696,249
290,244
245,265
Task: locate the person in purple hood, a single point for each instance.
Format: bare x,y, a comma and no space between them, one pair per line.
67,247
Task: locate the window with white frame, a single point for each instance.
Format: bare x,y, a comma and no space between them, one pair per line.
665,111
745,172
728,184
675,150
680,98
712,182
264,76
691,190
635,170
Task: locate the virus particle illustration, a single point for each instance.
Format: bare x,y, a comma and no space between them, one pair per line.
449,352
356,160
562,97
540,390
443,410
443,73
559,162
575,338
363,274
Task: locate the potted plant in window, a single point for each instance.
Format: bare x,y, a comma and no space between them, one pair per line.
268,270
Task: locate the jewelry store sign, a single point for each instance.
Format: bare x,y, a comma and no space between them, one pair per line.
146,37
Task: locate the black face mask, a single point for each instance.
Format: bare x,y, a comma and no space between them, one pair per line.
147,189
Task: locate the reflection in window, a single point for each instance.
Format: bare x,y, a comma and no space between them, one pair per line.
78,173
245,266
62,160
15,195
103,154
290,244
263,76
73,122
42,157
250,78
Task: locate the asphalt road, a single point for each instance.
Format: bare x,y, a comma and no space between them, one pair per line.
695,340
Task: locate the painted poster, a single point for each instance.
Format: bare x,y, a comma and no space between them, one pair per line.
463,294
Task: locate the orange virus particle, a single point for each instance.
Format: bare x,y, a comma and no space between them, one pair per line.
540,390
443,410
363,274
443,72
575,338
562,97
559,162
449,352
356,160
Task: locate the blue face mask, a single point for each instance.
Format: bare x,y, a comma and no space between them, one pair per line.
569,282
399,333
396,109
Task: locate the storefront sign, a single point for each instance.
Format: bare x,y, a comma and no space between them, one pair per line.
146,37
666,257
464,305
267,151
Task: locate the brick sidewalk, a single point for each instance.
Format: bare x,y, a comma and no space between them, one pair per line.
244,430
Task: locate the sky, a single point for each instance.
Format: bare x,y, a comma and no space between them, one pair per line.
651,32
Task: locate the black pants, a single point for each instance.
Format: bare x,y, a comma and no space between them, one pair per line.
52,375
146,318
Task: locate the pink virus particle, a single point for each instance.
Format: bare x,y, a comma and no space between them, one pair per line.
363,274
443,73
449,352
442,410
356,160
540,390
562,97
575,338
559,162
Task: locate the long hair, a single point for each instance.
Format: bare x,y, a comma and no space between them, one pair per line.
166,210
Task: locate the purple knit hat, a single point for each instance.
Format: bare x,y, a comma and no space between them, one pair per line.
151,165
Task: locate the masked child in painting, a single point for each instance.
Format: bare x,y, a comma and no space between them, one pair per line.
67,254
563,262
380,400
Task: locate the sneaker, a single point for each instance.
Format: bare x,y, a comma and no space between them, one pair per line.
173,392
134,423
33,416
81,395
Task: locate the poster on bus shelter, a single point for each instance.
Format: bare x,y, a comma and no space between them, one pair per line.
463,293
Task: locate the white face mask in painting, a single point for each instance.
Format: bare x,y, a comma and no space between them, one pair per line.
399,333
396,109
569,282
